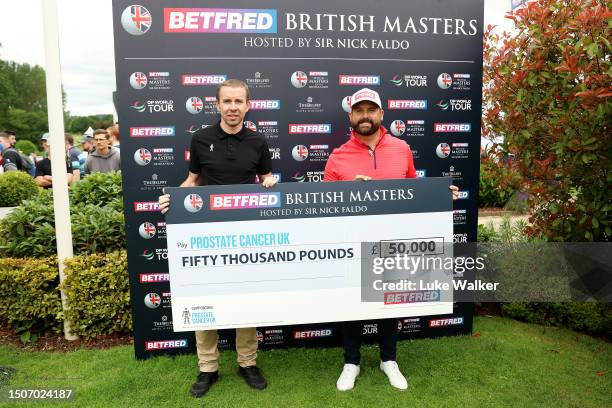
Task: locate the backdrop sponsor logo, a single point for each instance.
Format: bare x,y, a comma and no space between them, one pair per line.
415,127
194,128
443,150
409,80
219,20
164,324
409,325
136,20
460,238
458,82
156,80
163,156
318,153
147,230
455,174
250,125
309,128
309,177
197,79
407,104
146,206
421,173
154,183
158,254
299,153
346,103
194,105
152,131
154,106
275,153
311,334
242,201
152,300
312,80
452,127
154,277
459,217
165,344
309,106
460,150
444,80
451,321
268,128
455,104
397,128
257,81
359,80
261,104
369,329
464,195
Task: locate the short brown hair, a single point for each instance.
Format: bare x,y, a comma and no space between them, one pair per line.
114,131
101,132
234,83
68,138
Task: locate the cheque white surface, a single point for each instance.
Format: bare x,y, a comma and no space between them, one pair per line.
232,274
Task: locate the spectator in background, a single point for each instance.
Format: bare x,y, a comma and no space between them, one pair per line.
114,133
106,157
75,157
11,159
12,137
44,142
87,144
44,177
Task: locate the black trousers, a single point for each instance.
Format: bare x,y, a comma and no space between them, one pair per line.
387,340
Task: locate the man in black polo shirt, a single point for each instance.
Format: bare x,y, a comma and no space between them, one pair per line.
227,153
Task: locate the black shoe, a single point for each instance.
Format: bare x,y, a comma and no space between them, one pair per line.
203,383
253,377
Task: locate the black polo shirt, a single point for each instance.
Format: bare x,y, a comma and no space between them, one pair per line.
221,158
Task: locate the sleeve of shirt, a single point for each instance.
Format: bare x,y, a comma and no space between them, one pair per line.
264,166
11,160
86,168
411,171
330,174
194,160
39,171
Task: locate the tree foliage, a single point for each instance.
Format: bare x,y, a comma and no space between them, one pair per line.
547,92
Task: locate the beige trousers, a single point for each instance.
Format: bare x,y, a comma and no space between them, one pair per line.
208,352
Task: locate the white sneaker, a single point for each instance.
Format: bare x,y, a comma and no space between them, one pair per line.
346,381
393,373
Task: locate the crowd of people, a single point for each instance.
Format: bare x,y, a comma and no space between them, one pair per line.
99,152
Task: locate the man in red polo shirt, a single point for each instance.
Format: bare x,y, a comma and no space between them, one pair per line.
371,153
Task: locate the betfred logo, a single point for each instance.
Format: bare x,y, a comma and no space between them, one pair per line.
312,128
454,321
359,80
242,201
452,127
407,104
312,334
218,20
165,344
194,79
154,277
421,173
463,195
260,104
152,131
146,206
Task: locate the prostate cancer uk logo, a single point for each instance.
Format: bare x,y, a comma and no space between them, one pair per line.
244,200
218,20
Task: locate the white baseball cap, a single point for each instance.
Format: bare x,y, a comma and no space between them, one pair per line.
365,94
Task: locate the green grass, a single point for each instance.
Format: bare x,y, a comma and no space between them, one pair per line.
511,364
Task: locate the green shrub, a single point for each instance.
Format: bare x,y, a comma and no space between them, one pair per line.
498,183
590,317
30,300
97,188
98,292
26,147
16,186
29,230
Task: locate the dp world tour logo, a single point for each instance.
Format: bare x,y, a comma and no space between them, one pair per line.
397,80
142,157
398,128
445,80
138,107
193,203
443,150
443,104
147,230
299,79
138,80
136,20
299,153
152,300
194,105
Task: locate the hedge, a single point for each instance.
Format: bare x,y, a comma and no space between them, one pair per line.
16,186
97,289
